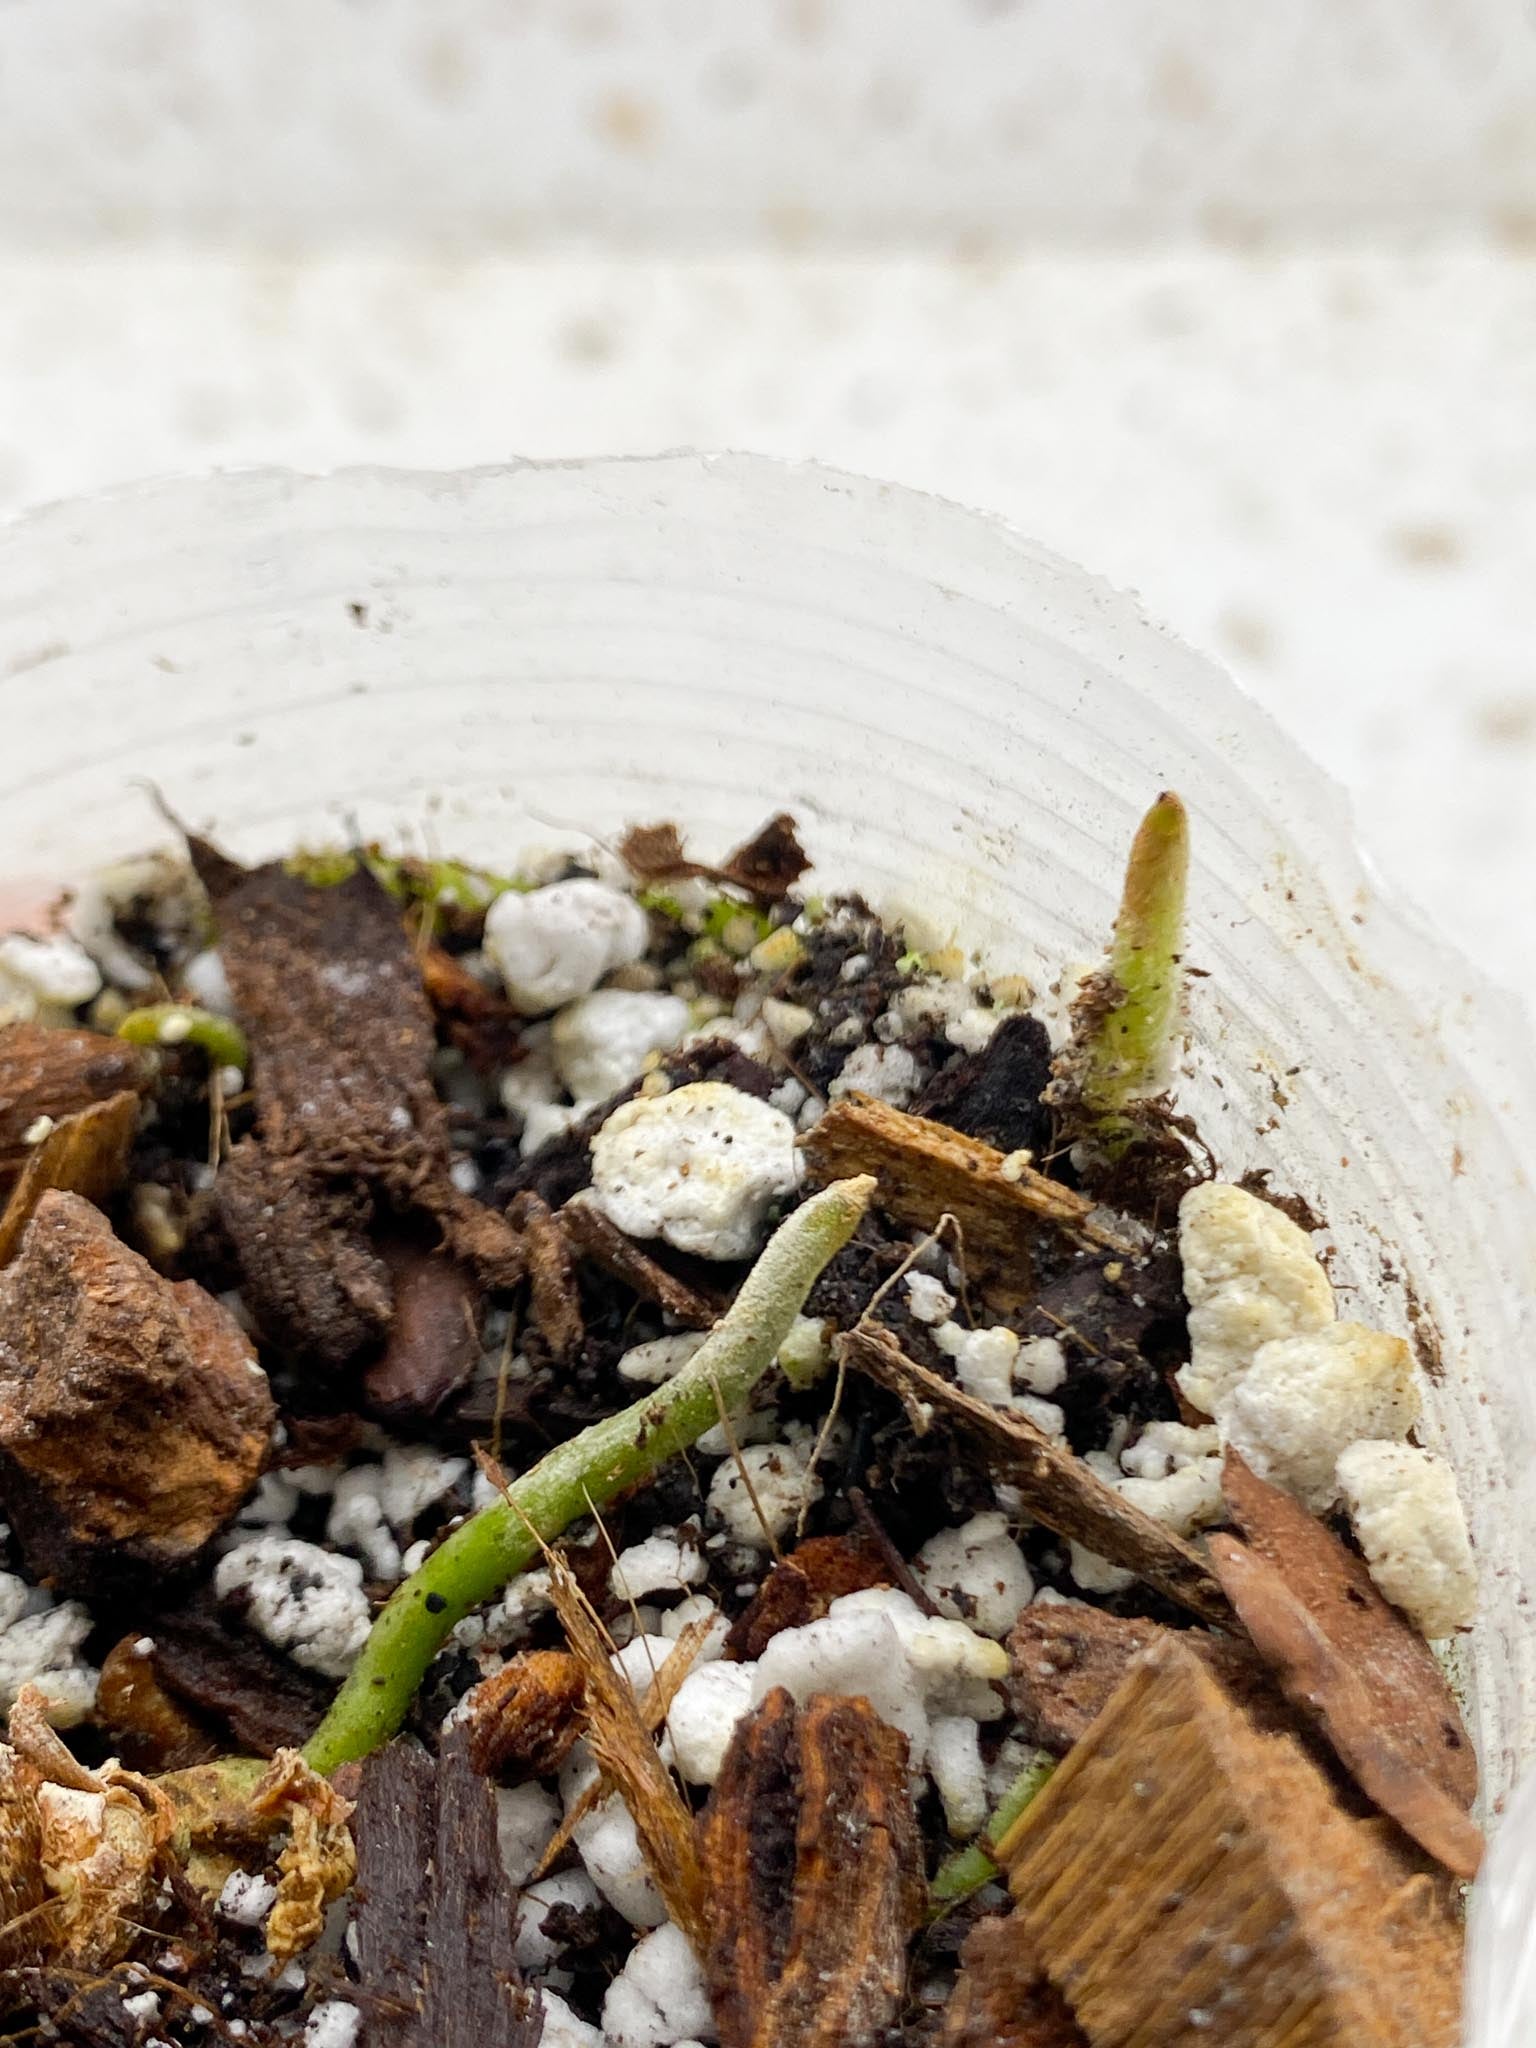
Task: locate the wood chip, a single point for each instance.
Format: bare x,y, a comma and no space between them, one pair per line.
432,1908
555,1299
595,1238
1186,1878
926,1170
1314,1675
802,1587
1069,1658
236,1679
1370,1636
85,1154
814,1866
342,1036
433,1343
48,1073
523,1719
1003,1998
1056,1487
134,1418
148,1729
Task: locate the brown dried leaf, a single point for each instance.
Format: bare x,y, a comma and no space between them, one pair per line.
555,1298
1370,1636
85,1154
621,1743
1182,1862
769,864
1314,1675
1057,1487
655,853
22,1891
802,1587
1003,1998
318,1862
596,1238
433,1342
766,866
44,1072
101,1840
814,1866
926,1170
523,1719
134,1418
148,1729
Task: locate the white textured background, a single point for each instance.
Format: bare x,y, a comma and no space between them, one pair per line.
1236,303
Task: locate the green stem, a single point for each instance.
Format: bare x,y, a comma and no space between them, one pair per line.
184,1024
965,1873
582,1475
1127,1052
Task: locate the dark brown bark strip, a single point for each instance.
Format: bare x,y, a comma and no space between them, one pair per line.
1058,1488
432,1909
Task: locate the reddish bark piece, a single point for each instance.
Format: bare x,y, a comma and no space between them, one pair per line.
51,1073
803,1586
1003,1998
1371,1637
1069,1658
1314,1676
815,1872
1066,1664
523,1719
148,1729
433,1340
1186,1877
483,1025
134,1418
432,1910
85,1154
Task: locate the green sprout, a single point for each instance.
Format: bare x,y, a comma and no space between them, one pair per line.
581,1476
445,882
663,902
184,1024
961,1876
1122,1056
735,925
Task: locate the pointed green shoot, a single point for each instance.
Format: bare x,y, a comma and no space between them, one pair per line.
1127,1052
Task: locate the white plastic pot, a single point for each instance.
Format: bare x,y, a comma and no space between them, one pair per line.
966,727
